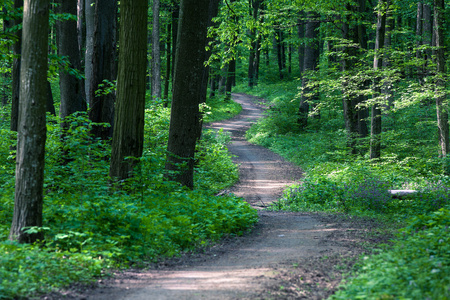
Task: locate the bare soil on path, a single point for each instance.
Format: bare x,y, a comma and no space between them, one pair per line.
286,256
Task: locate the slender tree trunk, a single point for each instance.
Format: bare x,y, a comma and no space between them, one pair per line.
89,14
103,67
441,95
32,130
230,77
185,114
7,24
301,47
375,144
254,5
279,49
128,139
156,52
17,49
311,59
168,64
72,98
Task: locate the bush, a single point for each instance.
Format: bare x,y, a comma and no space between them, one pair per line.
417,266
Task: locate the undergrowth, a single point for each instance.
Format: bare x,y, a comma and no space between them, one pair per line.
91,224
417,265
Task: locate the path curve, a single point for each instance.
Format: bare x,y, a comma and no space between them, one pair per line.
241,269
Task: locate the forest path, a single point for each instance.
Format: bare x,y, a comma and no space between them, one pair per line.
244,267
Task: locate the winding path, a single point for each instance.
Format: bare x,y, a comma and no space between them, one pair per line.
241,268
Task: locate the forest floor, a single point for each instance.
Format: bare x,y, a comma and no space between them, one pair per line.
286,256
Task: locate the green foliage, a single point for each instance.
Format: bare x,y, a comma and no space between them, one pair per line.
417,266
91,223
220,108
27,270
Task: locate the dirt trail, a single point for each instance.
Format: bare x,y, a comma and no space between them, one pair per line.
285,251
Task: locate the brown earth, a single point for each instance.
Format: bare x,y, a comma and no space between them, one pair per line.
286,256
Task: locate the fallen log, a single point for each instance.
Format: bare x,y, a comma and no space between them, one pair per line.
401,193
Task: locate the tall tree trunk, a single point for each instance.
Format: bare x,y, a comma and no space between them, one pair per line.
17,49
89,13
7,24
156,52
185,115
254,5
32,130
279,49
375,145
103,67
128,139
441,95
213,11
230,78
311,59
72,98
301,47
168,64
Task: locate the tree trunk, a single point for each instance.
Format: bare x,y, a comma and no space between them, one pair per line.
301,47
254,5
89,14
168,63
185,115
230,78
16,72
375,145
311,59
32,130
72,98
279,49
156,52
103,67
128,139
441,95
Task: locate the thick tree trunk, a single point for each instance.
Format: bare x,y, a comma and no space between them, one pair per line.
128,139
230,78
185,115
441,95
17,48
375,143
103,67
32,130
311,60
156,52
72,98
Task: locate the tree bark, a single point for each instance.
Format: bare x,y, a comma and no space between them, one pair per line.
72,98
103,67
311,60
156,52
375,143
168,64
185,115
254,5
128,138
32,130
17,49
441,95
89,14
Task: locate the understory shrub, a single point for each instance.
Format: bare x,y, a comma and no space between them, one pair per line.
92,223
416,267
